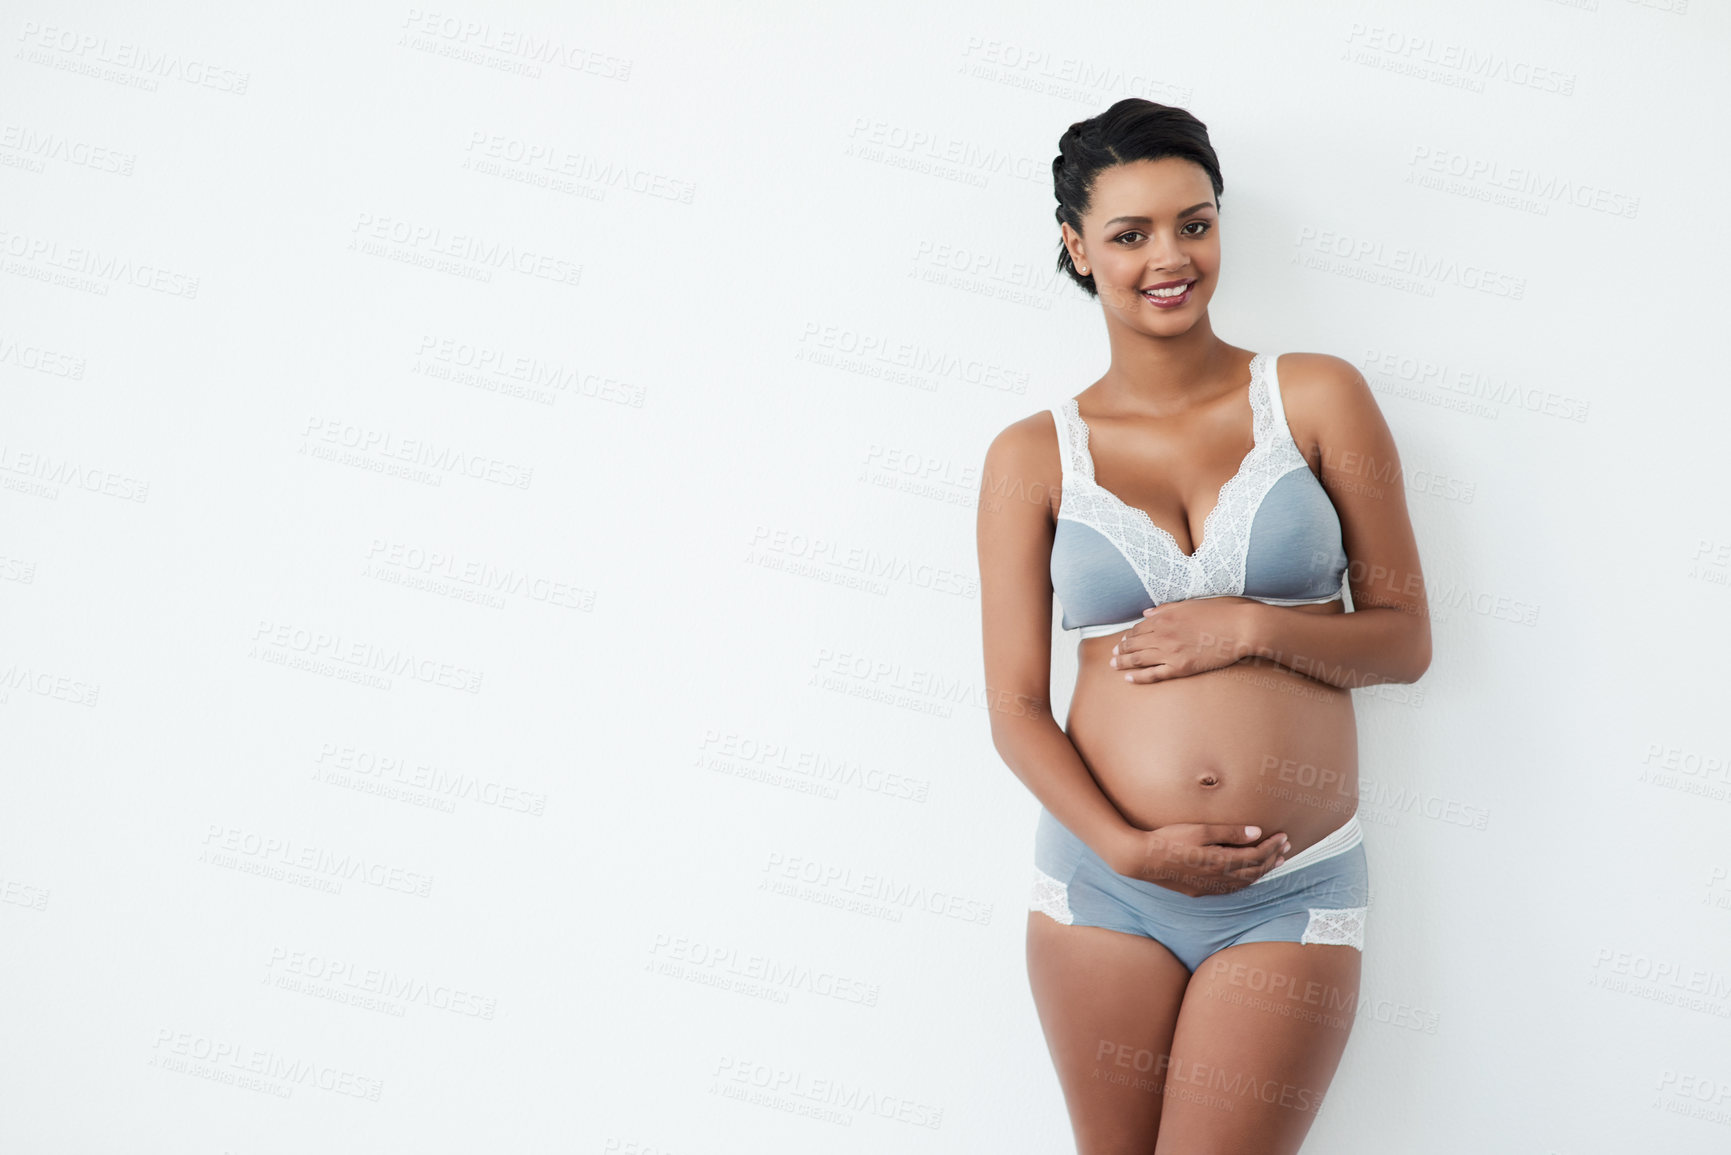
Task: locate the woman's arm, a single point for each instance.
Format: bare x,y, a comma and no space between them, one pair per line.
1341,432
1363,648
1015,530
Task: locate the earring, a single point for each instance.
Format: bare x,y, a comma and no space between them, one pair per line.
1084,270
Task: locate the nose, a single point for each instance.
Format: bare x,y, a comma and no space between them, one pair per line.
1164,255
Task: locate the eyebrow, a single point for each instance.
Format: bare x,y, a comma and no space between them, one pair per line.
1147,220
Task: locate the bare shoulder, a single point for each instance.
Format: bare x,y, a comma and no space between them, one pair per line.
1325,398
1322,376
1024,458
1028,444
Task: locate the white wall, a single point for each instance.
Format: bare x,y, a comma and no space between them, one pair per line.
392,755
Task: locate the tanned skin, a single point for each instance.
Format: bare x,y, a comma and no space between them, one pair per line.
1214,738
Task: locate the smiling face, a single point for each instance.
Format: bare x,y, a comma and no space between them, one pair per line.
1151,241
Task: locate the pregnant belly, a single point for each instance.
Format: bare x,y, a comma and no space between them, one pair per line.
1253,743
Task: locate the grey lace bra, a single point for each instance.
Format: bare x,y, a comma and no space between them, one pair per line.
1273,535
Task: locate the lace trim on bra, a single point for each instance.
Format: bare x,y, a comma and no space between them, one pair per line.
1218,563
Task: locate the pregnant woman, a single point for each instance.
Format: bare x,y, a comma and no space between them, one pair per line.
1200,885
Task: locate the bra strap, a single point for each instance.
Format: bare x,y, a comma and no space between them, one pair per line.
1064,454
1274,401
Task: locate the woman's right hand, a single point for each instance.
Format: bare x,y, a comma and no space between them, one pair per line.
1198,858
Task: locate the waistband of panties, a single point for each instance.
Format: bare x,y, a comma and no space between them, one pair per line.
1336,842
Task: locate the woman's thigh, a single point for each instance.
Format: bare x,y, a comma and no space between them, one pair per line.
1108,1003
1260,1032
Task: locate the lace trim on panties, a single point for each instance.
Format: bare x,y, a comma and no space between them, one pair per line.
1343,927
1050,897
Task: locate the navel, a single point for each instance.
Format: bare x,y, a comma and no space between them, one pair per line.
1210,779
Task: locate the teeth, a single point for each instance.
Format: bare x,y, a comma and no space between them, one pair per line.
1175,291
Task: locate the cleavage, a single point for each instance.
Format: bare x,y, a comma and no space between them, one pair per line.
1164,457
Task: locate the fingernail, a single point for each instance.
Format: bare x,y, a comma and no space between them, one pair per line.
1252,831
1280,860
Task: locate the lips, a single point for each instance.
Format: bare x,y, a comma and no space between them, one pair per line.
1172,301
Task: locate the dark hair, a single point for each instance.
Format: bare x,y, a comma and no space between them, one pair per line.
1133,129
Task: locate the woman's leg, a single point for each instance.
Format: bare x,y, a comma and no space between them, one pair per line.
1108,1002
1260,1033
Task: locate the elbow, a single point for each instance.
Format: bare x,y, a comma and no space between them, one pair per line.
1403,665
1009,743
1404,650
1006,736
1418,658
1410,645
1010,724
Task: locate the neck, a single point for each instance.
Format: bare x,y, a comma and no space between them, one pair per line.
1158,376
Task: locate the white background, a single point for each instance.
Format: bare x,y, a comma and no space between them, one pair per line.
489,621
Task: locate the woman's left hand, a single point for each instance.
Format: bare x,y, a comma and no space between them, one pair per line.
1178,639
